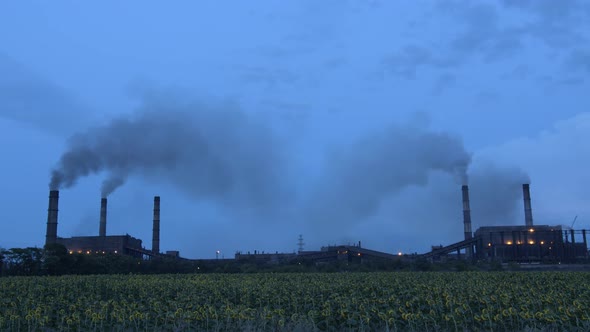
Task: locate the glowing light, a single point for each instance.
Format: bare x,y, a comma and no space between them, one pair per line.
531,242
115,251
489,244
531,230
71,252
359,254
88,252
542,242
518,242
509,242
399,253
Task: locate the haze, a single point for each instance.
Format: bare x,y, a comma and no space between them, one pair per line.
259,121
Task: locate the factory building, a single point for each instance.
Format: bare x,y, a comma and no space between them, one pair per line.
103,243
529,243
520,243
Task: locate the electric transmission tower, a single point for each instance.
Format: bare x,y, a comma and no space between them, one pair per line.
300,243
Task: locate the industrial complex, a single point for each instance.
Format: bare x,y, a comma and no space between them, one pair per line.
526,243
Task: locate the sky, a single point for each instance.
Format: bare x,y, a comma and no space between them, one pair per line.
340,120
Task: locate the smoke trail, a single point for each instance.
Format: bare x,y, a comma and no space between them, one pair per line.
382,164
216,152
496,194
113,182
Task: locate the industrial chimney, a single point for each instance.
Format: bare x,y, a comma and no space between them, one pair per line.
156,230
466,213
102,231
51,235
528,212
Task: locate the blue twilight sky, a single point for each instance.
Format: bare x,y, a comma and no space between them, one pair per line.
257,121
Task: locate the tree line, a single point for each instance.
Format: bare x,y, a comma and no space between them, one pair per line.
54,259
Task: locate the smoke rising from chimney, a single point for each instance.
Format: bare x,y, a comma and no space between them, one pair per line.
212,151
219,153
359,177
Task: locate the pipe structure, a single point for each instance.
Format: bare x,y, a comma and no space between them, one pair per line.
156,229
51,234
528,211
102,231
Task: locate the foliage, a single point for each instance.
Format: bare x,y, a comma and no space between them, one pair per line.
398,301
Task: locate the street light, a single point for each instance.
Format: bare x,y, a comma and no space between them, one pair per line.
217,254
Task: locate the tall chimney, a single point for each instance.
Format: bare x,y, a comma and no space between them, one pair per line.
466,213
51,235
156,230
528,211
102,231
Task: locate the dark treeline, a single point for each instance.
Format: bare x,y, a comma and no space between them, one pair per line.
56,260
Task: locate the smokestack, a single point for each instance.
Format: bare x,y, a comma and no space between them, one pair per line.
156,230
102,231
466,213
528,211
51,235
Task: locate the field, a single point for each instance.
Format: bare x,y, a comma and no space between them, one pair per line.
414,301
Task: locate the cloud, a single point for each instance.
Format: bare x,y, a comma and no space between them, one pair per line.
411,58
209,150
29,98
579,60
271,77
443,82
557,160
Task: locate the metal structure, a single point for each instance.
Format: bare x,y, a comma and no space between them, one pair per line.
300,244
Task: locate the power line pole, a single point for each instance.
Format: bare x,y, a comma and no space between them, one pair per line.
300,243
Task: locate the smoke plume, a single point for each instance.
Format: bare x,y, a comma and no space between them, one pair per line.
496,195
211,151
359,177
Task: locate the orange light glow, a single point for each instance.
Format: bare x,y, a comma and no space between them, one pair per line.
531,242
531,230
542,242
509,242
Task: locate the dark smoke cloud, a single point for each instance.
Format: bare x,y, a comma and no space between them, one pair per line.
29,98
357,179
210,151
496,195
113,182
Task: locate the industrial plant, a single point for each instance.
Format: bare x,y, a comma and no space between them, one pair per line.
526,243
103,243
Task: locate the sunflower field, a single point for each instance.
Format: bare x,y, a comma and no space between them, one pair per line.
400,301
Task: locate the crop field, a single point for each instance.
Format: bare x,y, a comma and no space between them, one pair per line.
402,301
